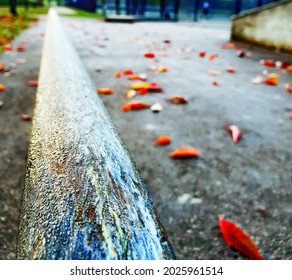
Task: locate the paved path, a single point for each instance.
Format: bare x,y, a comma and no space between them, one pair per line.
18,99
248,182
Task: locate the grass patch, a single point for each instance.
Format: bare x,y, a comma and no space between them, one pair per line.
84,14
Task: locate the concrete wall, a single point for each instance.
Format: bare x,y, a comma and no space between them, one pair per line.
270,26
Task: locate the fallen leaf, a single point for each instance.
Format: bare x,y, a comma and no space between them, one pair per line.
152,68
2,87
153,87
228,46
272,79
185,151
240,53
149,55
162,69
268,63
134,77
163,140
235,132
288,68
156,108
237,239
212,56
215,83
257,80
2,66
290,116
21,47
202,54
105,91
166,41
140,85
130,93
117,74
178,100
143,91
143,77
230,69
1,103
135,105
128,72
25,117
213,72
288,88
7,48
32,83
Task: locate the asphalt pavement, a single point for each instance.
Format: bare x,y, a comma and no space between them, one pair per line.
248,182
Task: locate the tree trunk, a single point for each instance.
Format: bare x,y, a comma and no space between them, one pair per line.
13,4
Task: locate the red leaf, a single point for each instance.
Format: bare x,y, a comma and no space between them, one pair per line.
268,63
202,53
230,69
149,55
7,48
25,118
235,132
32,83
185,151
237,239
178,100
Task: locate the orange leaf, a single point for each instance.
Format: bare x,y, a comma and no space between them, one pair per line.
228,46
32,83
230,69
162,69
185,151
117,74
235,132
237,239
202,54
212,56
178,100
128,72
134,77
272,79
149,55
135,105
105,91
2,87
163,140
288,68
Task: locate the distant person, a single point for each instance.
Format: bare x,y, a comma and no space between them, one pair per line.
206,8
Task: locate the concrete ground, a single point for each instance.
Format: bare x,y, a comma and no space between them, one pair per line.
18,99
248,182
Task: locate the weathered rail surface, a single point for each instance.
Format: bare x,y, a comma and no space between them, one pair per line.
83,196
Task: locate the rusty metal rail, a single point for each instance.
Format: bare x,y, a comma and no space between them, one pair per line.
83,196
